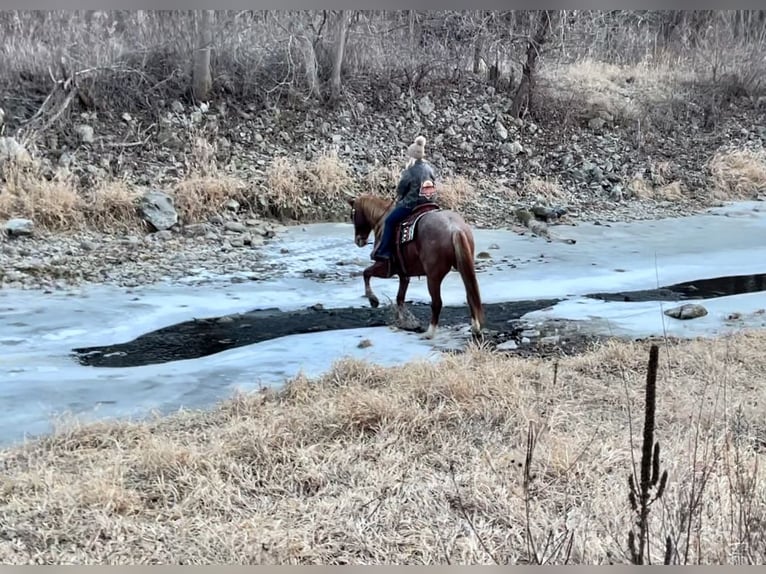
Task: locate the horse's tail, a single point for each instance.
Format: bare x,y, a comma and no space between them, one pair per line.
465,266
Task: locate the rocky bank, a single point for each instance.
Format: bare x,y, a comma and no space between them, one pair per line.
585,167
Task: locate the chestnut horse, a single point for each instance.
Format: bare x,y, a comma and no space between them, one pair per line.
443,242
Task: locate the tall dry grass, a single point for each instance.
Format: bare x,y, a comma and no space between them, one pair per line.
738,173
423,463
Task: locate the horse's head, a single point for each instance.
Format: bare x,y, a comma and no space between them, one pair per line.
362,225
366,213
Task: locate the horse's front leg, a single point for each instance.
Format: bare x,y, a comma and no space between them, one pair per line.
404,283
377,269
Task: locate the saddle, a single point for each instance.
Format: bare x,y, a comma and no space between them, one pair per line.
405,233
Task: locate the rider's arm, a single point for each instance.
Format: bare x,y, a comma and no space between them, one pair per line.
404,185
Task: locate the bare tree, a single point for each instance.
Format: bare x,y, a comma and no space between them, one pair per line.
525,91
341,23
202,80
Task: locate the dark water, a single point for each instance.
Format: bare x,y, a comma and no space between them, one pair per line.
689,290
202,337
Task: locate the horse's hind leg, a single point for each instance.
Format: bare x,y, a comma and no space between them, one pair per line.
434,289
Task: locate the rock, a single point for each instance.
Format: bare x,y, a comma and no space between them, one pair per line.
232,205
87,245
515,148
197,229
687,311
616,193
158,209
2,117
163,235
65,160
235,226
483,255
596,123
85,133
364,343
10,149
502,133
426,106
177,107
507,346
19,227
494,246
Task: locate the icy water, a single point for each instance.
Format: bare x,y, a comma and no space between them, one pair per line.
40,380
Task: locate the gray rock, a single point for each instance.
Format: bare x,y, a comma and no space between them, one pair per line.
232,205
85,133
502,133
158,208
516,148
197,229
19,227
177,107
507,346
426,106
596,123
235,226
10,149
687,311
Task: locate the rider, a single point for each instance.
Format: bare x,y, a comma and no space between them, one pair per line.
416,186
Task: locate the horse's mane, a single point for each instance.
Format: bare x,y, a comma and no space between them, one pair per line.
374,207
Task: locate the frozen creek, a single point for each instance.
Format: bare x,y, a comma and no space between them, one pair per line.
40,380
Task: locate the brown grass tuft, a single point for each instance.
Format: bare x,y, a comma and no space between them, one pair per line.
382,180
738,173
197,198
454,192
295,187
609,91
355,467
57,204
544,190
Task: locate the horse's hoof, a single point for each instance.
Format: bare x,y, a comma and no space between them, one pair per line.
374,302
430,333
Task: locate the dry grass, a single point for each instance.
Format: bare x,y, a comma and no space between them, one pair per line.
454,192
198,197
292,189
612,92
355,467
295,187
382,180
56,204
738,173
545,190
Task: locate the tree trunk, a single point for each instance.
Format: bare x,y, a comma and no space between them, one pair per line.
337,64
525,92
477,51
310,63
202,79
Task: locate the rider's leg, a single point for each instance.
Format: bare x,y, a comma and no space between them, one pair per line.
393,219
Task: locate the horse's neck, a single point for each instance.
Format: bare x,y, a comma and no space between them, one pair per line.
383,209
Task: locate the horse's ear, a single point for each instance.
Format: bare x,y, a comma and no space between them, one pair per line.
350,200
